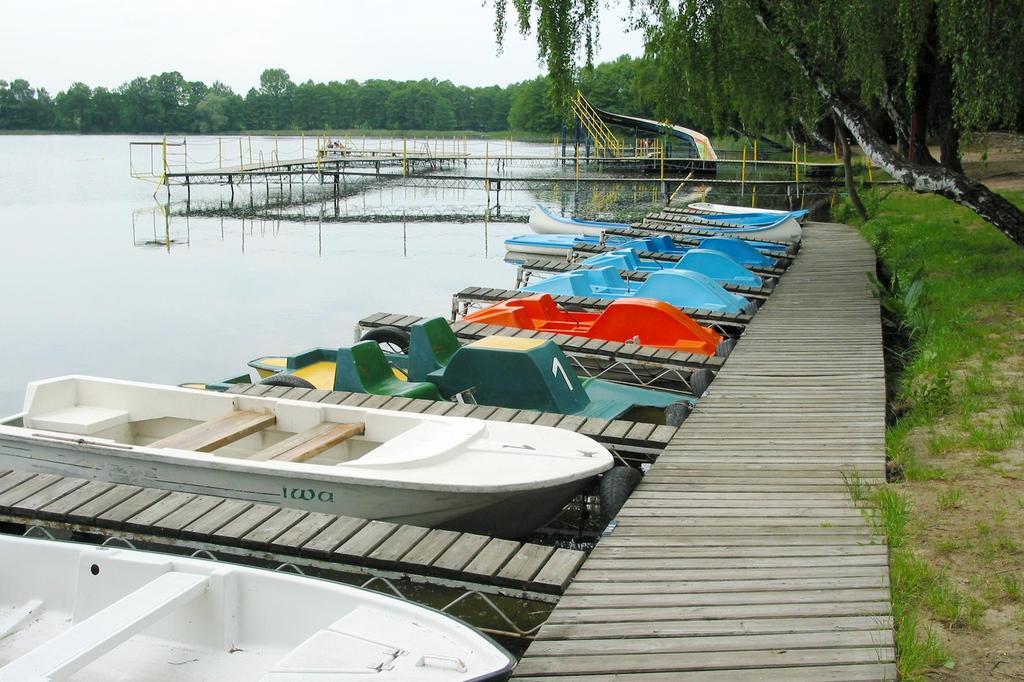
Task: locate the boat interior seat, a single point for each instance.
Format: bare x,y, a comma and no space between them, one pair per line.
432,343
81,420
362,368
308,444
218,432
94,636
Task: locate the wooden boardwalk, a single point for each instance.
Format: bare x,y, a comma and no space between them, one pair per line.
741,555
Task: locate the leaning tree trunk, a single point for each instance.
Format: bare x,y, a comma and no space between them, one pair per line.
972,194
851,188
991,206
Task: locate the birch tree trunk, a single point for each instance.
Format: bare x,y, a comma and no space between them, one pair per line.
955,186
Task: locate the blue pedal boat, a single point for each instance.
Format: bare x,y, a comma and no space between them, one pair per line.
681,288
715,264
742,251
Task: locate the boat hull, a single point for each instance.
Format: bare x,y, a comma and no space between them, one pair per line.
711,209
88,613
507,514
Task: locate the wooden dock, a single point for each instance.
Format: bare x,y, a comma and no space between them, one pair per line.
742,555
238,529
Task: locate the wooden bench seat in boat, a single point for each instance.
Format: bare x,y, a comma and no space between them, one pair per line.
216,433
91,638
303,446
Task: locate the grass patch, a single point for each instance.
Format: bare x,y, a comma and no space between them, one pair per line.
951,499
952,293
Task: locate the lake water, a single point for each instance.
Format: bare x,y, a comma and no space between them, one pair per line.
99,277
91,287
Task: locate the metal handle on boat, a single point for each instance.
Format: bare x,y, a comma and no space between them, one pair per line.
454,662
465,396
79,440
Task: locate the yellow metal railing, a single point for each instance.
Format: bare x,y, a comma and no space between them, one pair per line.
604,139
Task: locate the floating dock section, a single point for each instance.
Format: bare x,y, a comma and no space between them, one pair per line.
742,554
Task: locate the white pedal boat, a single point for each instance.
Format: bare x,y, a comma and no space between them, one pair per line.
462,474
79,612
716,209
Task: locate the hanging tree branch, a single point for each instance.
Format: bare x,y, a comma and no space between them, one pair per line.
972,194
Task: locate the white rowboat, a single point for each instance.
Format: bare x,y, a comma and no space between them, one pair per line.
450,472
71,611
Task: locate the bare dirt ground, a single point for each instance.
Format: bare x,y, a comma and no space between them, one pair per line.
998,160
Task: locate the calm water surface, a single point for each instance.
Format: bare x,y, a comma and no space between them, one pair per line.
91,287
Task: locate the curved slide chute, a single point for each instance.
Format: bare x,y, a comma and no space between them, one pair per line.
700,141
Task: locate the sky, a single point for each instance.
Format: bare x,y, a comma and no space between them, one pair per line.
53,43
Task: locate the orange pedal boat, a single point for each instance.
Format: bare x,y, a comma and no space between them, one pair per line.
643,321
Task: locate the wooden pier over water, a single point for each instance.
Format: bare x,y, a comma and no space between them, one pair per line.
741,555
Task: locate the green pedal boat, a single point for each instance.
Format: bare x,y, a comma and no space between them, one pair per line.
500,371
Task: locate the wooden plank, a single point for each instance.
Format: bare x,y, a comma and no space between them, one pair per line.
216,433
559,570
746,642
187,513
273,526
434,544
14,480
461,552
494,555
153,513
72,501
686,662
399,543
308,444
336,533
216,518
366,539
697,628
133,505
304,530
526,563
31,504
866,672
28,487
244,523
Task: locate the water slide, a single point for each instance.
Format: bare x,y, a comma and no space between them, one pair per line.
700,141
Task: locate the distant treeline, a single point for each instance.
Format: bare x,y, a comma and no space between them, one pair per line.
168,103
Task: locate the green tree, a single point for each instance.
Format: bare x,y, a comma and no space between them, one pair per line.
74,108
532,108
276,91
929,66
